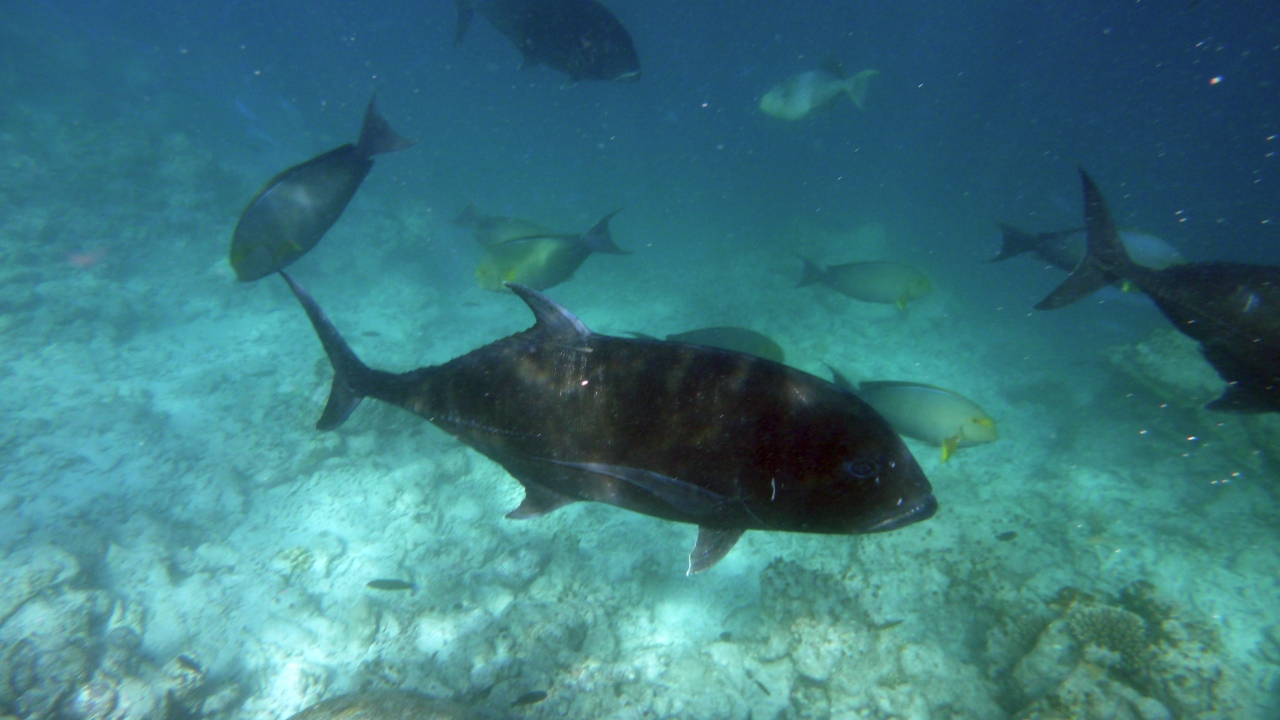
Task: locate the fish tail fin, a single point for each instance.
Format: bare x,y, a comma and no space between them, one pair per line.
466,11
1014,242
469,217
600,240
376,135
856,86
812,274
350,376
1105,259
949,447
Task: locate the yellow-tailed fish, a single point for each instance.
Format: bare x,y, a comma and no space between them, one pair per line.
930,414
879,282
543,261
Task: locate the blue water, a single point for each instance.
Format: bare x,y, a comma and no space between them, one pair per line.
157,438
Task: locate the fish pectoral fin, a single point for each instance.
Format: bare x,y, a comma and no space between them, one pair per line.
949,447
685,497
711,547
538,501
901,302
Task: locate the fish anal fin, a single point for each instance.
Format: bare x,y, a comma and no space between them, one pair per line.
711,548
538,501
949,447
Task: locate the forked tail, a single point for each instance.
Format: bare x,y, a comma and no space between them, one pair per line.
1105,260
376,135
352,379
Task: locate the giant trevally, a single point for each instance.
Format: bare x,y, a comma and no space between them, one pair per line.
1232,309
801,94
727,337
295,208
580,38
726,441
544,261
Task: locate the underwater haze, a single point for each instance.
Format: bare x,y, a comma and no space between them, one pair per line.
179,540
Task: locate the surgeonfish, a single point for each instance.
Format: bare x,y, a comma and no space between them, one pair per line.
878,282
1232,309
930,414
297,207
729,338
580,38
493,230
926,413
1065,248
801,94
722,440
544,261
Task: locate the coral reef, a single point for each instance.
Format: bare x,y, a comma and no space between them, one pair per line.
74,653
1130,658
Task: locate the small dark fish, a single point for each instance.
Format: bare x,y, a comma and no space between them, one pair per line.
371,333
763,688
726,636
886,625
580,38
687,433
296,208
390,584
530,698
1007,536
1232,309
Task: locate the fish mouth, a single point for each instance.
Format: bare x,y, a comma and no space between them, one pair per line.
922,509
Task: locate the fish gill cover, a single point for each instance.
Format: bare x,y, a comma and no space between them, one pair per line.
178,540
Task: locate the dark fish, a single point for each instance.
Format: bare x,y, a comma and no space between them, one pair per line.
1007,536
296,208
1065,248
693,434
729,338
1232,309
385,705
580,38
389,584
530,698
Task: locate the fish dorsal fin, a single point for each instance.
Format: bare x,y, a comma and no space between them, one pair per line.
552,319
711,547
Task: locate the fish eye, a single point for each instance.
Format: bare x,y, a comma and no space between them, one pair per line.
862,468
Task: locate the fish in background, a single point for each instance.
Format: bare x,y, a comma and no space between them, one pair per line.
1232,309
732,338
889,283
927,413
493,230
719,439
544,261
801,94
297,207
384,705
1065,248
580,38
